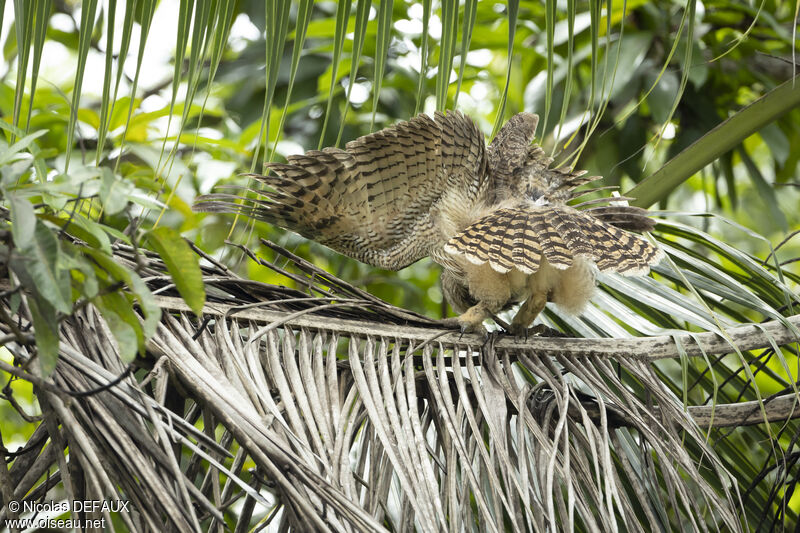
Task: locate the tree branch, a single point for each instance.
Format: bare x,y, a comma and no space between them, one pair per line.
747,337
778,408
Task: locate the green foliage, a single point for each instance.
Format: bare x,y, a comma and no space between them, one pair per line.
763,111
182,264
692,107
60,255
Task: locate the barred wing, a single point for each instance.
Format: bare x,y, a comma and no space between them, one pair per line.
519,238
374,201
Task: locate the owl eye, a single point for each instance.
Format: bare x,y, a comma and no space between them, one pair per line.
534,193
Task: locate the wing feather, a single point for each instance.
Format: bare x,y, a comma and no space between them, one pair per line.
375,200
501,235
553,243
518,237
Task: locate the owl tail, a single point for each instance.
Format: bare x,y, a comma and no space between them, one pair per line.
519,238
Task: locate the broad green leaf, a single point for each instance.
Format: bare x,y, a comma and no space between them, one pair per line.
89,231
11,173
38,154
148,305
119,111
147,202
40,259
123,323
83,272
114,192
45,328
23,220
118,272
22,144
325,81
182,263
81,180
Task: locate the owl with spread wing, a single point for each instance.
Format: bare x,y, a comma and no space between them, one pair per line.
497,219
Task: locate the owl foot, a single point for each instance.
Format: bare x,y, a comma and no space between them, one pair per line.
464,325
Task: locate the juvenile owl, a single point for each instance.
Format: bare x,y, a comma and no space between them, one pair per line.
495,218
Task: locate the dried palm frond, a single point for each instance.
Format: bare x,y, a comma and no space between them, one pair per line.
330,409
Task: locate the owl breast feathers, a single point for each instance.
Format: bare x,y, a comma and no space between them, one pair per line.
496,218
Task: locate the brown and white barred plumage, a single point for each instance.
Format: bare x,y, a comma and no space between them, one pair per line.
496,219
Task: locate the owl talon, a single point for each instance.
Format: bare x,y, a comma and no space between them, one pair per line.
464,326
471,327
520,332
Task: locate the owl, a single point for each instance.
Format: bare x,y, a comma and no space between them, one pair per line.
498,219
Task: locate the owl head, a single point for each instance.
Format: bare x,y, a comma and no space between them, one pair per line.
521,169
